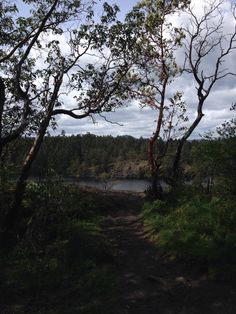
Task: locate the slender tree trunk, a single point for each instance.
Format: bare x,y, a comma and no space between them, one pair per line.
1,152
13,214
156,191
178,153
177,160
208,187
2,103
155,163
209,184
156,188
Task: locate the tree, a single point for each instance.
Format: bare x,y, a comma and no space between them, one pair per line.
154,70
57,51
214,159
205,42
202,41
226,170
205,156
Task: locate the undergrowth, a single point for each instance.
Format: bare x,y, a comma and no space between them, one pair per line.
60,262
196,228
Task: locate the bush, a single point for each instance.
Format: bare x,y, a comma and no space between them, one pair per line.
62,251
197,228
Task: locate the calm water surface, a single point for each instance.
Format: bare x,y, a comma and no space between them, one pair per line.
132,185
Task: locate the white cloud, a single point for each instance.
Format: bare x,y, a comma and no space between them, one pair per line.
137,122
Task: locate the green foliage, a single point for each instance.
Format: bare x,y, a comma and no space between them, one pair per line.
62,253
195,228
86,156
214,160
49,46
90,155
155,207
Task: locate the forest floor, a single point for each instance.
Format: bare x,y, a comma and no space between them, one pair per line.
147,281
106,265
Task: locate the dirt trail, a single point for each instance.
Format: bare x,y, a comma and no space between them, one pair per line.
148,283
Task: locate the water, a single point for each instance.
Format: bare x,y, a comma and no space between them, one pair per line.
131,185
119,185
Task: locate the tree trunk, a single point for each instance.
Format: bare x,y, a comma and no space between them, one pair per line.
179,149
2,103
155,163
177,161
156,188
1,152
13,214
209,184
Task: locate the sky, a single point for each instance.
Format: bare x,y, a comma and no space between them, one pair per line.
137,122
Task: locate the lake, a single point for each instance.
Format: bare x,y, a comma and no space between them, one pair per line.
119,185
130,185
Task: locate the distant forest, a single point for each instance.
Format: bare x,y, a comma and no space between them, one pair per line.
121,157
90,155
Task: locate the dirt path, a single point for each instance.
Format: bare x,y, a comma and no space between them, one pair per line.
148,283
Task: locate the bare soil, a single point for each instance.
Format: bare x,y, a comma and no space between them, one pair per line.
147,281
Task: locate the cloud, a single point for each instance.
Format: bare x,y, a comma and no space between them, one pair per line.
141,122
135,121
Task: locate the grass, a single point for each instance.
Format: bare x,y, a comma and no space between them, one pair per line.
197,229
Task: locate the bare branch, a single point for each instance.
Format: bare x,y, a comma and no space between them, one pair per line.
111,122
205,37
70,113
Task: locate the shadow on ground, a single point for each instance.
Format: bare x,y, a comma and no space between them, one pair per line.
148,282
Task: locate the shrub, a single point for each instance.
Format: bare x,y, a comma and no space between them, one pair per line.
197,228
